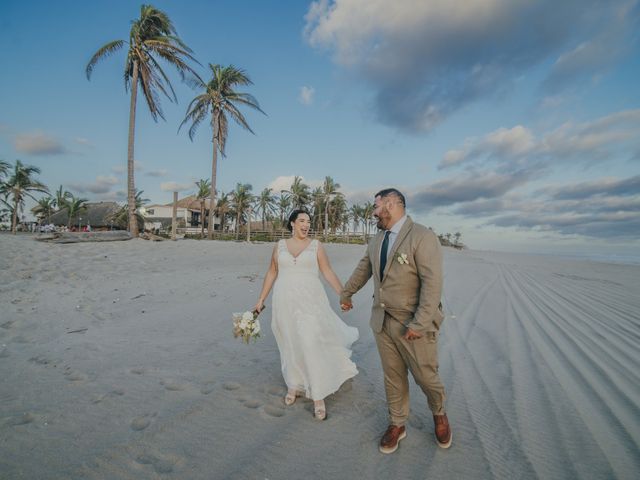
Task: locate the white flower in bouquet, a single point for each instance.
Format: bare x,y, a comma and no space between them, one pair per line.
246,326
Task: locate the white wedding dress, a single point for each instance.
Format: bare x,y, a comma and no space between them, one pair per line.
314,342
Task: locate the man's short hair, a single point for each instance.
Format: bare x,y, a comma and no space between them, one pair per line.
392,192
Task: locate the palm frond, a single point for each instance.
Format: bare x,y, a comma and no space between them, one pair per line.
103,52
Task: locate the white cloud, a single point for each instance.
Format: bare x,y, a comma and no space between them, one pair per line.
306,95
157,173
426,59
583,142
38,143
83,141
102,185
175,186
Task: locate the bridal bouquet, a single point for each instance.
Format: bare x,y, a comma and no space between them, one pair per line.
246,325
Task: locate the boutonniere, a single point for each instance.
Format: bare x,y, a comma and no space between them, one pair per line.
402,258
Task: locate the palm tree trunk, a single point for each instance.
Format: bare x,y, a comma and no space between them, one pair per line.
131,191
214,173
202,218
14,219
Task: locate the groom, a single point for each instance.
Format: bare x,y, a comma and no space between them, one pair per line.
406,264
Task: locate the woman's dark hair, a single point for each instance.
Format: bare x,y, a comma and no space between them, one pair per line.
294,216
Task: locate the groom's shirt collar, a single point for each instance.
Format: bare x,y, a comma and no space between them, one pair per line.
395,229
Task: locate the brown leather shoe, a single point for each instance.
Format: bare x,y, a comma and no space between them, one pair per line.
391,438
443,430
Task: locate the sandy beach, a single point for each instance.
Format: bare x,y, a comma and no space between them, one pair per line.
117,361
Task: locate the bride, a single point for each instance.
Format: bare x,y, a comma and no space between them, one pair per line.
314,342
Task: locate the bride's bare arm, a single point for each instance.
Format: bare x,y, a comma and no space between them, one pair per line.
327,271
269,278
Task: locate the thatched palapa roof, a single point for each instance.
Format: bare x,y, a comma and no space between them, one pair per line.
96,214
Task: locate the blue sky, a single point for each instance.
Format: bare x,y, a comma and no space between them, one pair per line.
515,123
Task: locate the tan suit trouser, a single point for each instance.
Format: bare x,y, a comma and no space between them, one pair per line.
419,356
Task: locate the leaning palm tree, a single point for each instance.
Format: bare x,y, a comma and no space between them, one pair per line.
204,192
152,37
219,99
265,204
19,185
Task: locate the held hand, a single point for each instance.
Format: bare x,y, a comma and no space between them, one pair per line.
346,306
411,335
258,307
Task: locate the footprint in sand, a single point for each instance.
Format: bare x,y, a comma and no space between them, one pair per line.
172,385
138,370
208,387
7,325
142,422
274,411
74,376
252,403
160,465
23,419
231,386
276,391
41,360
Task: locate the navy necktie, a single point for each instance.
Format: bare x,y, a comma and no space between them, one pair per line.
383,253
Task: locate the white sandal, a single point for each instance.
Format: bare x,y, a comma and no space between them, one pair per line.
290,397
319,410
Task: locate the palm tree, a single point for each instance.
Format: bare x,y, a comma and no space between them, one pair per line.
19,185
457,235
284,202
265,204
43,207
317,202
75,206
219,99
367,218
354,212
338,210
241,201
300,194
222,209
152,36
120,218
61,197
329,188
204,191
4,168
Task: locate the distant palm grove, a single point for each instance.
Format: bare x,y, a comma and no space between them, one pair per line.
153,41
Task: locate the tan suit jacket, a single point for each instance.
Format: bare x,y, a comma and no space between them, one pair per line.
410,293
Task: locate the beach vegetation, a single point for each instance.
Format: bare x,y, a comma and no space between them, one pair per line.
19,185
204,192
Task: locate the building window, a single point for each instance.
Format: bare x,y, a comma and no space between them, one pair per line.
150,211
